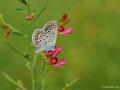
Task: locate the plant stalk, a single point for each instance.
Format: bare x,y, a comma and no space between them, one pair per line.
34,72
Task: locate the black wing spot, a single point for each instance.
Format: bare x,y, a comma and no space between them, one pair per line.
36,38
53,33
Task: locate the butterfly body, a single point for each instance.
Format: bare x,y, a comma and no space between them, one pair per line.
45,38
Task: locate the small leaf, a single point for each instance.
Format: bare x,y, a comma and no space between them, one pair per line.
19,9
25,2
19,33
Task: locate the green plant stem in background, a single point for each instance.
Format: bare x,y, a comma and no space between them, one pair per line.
15,50
28,7
38,15
42,76
37,80
13,82
44,64
34,72
67,85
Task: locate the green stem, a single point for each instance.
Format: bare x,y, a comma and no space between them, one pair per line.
13,82
28,7
42,76
15,50
34,72
37,80
67,85
44,64
38,14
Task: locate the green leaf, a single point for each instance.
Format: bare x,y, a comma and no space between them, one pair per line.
15,32
25,2
21,10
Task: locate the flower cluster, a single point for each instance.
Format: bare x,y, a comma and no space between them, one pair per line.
53,59
63,21
52,56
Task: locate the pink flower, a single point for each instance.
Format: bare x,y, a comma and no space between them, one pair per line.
65,31
54,52
61,63
54,61
57,50
49,53
61,28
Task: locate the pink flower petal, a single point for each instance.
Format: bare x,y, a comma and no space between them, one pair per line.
57,50
54,52
61,29
67,31
53,61
61,63
49,53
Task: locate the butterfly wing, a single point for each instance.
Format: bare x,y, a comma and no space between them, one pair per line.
46,37
51,29
37,41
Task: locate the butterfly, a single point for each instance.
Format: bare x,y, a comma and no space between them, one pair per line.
45,38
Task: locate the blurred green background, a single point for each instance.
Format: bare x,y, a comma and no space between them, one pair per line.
92,50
